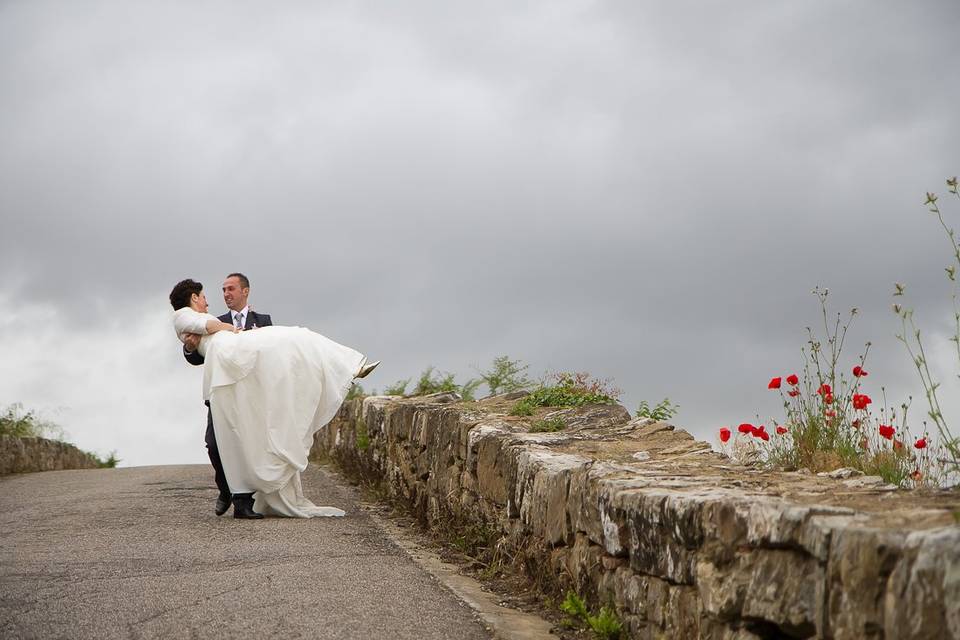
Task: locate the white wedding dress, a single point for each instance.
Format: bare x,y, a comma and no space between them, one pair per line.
270,389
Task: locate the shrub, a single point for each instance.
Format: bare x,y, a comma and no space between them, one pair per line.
399,388
356,391
433,381
109,463
505,376
468,388
16,422
663,411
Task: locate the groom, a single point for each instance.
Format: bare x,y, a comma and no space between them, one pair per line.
236,290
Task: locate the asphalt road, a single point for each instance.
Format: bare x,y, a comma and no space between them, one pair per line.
138,553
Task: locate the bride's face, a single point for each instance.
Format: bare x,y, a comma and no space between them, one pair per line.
198,302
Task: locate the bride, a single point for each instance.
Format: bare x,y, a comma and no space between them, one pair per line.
270,389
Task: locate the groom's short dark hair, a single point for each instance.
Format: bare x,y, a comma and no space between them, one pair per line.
180,296
244,283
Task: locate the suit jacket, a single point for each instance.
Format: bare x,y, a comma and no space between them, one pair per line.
254,319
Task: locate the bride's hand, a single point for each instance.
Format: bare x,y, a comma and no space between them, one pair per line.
226,326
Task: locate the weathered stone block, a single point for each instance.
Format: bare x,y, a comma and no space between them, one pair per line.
543,505
494,479
923,594
861,561
721,590
784,588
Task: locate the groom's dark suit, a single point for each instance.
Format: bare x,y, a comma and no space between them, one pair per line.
253,319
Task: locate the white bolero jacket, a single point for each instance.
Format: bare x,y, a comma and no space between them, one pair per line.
186,320
228,357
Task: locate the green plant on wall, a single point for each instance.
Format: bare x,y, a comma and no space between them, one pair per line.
505,376
605,625
398,388
547,425
663,411
356,391
363,438
19,423
910,336
568,390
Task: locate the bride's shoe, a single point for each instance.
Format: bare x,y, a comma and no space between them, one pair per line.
366,369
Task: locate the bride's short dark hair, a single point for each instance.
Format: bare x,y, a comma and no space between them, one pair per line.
180,296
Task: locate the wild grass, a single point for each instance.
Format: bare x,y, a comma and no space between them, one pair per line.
547,425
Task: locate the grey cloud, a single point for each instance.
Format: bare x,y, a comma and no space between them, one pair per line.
636,189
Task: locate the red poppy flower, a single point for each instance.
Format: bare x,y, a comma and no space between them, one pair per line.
916,475
858,372
774,383
824,389
855,424
763,435
886,431
860,401
745,428
781,429
724,434
829,413
792,379
828,398
793,393
921,443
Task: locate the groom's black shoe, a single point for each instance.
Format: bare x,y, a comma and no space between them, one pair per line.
223,503
243,507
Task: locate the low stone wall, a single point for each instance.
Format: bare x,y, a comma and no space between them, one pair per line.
25,455
684,543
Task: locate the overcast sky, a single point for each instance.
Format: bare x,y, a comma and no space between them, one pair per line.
644,190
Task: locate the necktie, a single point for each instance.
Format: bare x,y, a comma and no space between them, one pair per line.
239,321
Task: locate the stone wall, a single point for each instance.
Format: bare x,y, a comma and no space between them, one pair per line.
24,455
684,543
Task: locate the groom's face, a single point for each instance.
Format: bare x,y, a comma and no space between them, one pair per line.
234,295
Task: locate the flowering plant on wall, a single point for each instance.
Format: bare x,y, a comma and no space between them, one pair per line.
830,420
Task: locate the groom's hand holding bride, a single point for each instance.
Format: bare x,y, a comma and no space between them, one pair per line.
191,341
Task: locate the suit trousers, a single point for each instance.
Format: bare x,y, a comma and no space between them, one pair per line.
214,453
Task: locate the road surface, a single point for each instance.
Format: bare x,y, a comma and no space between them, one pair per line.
138,553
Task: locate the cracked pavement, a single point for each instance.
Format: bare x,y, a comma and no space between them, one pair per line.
138,553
